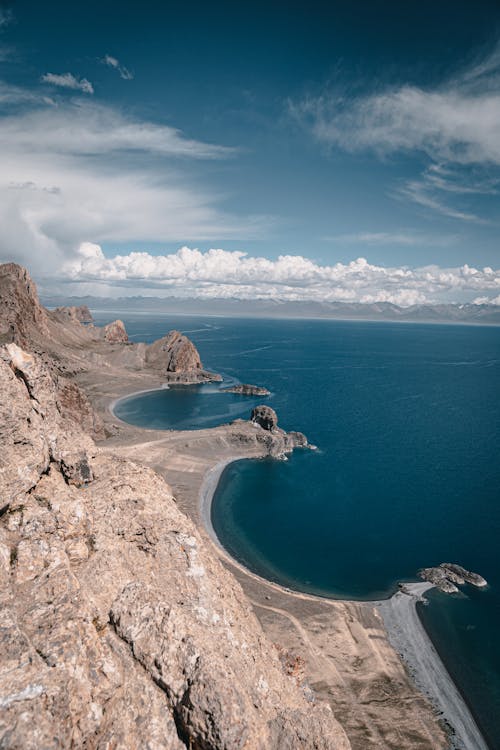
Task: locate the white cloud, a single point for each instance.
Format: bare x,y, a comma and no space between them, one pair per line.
222,274
68,81
74,169
402,237
487,300
84,128
10,94
456,124
112,62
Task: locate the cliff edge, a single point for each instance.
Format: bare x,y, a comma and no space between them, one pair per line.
120,627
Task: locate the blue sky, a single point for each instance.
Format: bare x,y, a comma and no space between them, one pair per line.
304,135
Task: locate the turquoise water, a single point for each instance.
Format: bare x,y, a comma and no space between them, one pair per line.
407,474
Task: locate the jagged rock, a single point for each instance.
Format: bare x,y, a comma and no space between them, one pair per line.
448,576
115,332
20,309
247,390
75,313
265,417
30,427
119,626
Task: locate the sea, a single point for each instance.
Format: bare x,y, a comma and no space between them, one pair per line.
406,420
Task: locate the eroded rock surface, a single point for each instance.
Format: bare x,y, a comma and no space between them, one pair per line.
119,627
265,417
20,308
115,332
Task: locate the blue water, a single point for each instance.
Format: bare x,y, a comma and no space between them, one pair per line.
407,473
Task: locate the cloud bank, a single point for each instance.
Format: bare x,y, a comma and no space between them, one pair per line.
68,81
221,274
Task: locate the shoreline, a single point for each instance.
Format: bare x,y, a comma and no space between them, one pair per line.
405,632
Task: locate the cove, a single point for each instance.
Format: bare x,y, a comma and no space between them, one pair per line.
406,418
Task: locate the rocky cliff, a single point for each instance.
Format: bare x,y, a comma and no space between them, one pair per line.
21,311
119,626
178,359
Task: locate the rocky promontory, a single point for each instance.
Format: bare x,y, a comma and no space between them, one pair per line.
178,359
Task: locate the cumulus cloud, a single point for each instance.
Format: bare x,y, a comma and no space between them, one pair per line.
221,274
68,81
455,124
112,62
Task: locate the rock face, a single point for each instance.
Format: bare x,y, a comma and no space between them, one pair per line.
20,309
119,627
247,390
174,353
115,332
178,359
78,314
448,576
265,417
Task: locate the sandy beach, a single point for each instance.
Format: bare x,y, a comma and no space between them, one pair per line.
373,661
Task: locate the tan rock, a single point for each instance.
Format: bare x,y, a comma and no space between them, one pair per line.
119,626
115,332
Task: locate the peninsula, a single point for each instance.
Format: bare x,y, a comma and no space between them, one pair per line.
124,624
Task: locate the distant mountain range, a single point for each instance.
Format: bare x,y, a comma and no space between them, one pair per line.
264,308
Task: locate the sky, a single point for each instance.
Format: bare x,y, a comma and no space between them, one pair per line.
330,151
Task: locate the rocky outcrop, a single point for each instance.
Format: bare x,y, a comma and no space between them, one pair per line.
265,417
77,314
178,359
247,390
278,442
115,333
174,353
448,576
21,311
119,626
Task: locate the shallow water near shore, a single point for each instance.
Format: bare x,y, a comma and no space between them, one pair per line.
406,418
